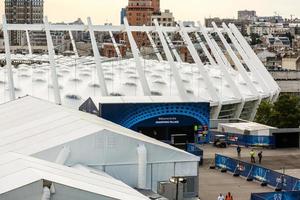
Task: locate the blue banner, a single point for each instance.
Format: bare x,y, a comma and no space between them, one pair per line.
135,115
245,140
289,195
259,173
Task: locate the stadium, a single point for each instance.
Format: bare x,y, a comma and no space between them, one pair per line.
164,98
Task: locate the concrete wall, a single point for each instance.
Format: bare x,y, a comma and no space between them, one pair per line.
290,63
288,81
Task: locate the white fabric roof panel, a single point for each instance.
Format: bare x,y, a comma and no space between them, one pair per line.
17,170
251,126
43,125
78,78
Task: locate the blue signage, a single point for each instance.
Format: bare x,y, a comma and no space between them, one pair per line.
135,115
259,173
289,195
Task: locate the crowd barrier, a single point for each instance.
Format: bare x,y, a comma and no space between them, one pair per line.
193,149
258,173
245,140
288,195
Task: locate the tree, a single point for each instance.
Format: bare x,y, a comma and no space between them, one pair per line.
264,112
285,113
255,39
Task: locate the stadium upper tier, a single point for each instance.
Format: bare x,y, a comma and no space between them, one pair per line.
234,81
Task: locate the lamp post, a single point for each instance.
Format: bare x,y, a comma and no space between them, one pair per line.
176,180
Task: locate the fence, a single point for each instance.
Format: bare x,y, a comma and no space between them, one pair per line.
255,172
289,195
193,149
245,140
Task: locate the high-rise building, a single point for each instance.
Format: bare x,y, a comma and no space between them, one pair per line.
139,13
156,6
23,12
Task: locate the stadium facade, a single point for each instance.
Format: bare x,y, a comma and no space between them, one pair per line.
234,81
50,151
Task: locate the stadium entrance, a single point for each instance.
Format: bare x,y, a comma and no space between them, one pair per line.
174,123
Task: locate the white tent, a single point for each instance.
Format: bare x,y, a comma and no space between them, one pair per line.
23,177
35,127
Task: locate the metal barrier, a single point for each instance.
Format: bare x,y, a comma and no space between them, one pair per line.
288,195
193,149
245,140
264,175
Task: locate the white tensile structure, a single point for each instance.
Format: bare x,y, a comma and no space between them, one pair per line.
234,80
49,151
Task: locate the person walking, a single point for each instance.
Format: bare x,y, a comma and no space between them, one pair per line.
229,196
238,150
221,197
260,156
252,156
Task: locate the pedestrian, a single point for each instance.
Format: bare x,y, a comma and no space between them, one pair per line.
252,156
221,197
229,196
238,150
260,156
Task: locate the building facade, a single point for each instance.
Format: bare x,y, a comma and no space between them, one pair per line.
165,18
23,12
247,15
139,13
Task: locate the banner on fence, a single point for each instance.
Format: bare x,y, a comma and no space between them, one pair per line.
289,195
265,175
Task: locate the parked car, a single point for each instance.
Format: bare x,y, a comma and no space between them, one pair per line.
220,141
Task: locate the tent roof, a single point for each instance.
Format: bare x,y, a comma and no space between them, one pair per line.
17,170
29,125
250,126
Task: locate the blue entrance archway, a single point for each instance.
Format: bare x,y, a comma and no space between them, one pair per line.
137,115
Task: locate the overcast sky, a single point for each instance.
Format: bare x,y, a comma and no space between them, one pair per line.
103,11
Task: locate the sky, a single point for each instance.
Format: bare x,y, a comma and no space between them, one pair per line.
104,11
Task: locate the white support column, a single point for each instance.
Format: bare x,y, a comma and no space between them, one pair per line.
248,62
209,84
251,54
10,77
73,44
225,71
159,57
254,110
137,58
28,43
206,52
142,166
211,46
242,71
173,48
115,45
52,62
237,63
97,57
176,75
220,52
63,155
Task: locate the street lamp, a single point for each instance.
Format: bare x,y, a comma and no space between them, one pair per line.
176,180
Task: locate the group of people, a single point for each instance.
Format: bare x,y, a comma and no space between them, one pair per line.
252,155
227,197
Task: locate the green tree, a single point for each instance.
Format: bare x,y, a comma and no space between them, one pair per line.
264,112
255,39
285,113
